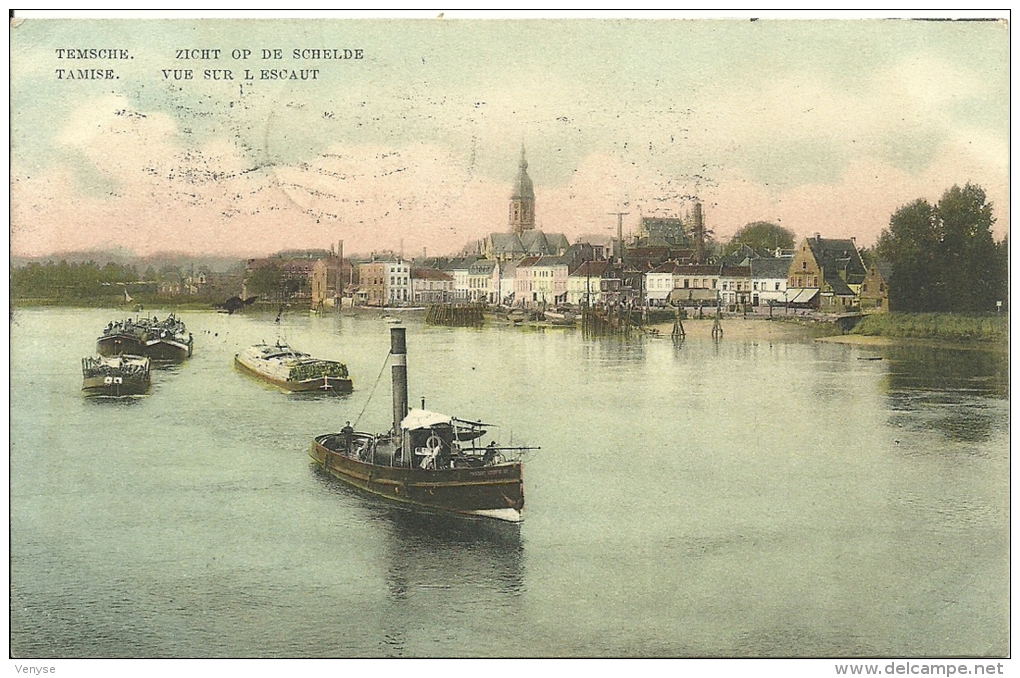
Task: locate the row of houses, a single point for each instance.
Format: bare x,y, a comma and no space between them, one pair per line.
824,274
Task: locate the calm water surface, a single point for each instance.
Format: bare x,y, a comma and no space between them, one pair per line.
739,499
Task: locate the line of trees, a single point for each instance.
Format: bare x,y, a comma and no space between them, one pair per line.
944,257
62,280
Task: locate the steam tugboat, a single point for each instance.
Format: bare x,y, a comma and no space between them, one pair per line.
115,376
427,459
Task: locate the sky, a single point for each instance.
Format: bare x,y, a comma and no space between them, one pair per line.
822,126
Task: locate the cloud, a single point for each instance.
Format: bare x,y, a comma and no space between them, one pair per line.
434,170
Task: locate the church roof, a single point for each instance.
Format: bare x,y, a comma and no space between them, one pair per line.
534,242
506,244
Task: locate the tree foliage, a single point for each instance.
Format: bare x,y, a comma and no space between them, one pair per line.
265,280
943,256
70,281
761,235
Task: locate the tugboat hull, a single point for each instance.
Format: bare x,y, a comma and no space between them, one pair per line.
489,491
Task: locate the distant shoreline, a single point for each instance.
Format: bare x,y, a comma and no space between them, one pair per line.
735,327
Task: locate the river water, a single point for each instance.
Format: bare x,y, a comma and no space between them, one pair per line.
739,499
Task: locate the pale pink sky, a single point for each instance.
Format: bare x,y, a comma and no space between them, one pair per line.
823,127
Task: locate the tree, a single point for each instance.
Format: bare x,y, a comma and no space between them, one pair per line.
265,280
761,235
943,256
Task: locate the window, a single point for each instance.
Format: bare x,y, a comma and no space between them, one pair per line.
803,265
756,287
777,287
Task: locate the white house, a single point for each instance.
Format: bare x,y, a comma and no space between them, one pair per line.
735,284
585,283
768,280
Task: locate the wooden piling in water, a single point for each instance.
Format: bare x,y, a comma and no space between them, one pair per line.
454,315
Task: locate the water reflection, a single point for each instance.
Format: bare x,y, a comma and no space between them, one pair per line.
441,572
947,390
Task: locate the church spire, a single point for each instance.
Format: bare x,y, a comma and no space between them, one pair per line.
522,201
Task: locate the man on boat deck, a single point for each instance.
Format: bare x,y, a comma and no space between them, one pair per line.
348,433
490,453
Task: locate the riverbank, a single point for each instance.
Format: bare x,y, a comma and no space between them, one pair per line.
754,329
979,331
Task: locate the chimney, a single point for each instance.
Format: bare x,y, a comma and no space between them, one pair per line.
699,234
398,350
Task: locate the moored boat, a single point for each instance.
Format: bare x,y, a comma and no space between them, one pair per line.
166,340
123,337
293,370
427,459
115,376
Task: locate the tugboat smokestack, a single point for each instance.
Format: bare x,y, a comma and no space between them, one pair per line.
398,350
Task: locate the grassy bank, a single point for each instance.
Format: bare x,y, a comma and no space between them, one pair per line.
115,302
949,327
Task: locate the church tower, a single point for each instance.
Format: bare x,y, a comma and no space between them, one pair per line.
522,202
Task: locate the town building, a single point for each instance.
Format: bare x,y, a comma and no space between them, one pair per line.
541,281
430,286
460,270
584,284
768,280
735,285
659,283
874,294
483,281
695,285
826,274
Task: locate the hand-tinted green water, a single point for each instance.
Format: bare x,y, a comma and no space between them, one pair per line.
739,499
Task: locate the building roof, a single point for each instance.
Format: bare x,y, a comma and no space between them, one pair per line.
429,274
839,288
771,267
838,254
459,264
527,262
551,261
593,269
482,266
696,269
506,244
735,271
